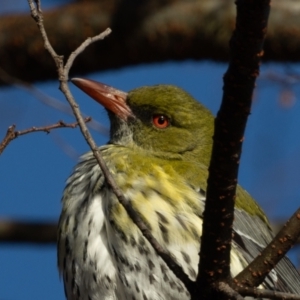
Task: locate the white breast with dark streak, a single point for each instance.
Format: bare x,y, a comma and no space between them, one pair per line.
83,254
100,259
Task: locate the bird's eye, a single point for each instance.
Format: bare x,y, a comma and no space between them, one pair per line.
160,121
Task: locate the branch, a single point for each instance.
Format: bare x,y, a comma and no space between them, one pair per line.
5,233
11,134
246,47
255,273
265,294
183,26
228,291
27,232
46,99
63,72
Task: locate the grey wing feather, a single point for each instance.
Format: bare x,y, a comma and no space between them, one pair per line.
251,235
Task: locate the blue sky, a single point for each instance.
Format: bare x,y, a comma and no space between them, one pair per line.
34,167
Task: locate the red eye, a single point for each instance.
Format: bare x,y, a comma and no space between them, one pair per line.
160,121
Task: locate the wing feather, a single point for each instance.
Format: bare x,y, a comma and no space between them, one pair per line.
251,235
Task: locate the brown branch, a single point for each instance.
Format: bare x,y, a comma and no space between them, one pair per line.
255,273
11,134
31,239
265,294
227,291
63,78
246,47
183,26
27,232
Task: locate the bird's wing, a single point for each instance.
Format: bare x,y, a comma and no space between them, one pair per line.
251,235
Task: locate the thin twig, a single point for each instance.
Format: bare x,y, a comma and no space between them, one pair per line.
47,100
11,134
83,46
59,124
63,78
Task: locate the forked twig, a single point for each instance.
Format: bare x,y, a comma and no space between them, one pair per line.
11,134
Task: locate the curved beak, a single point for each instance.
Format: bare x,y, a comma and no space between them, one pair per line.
112,99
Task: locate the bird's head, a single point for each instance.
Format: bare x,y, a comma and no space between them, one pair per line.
161,119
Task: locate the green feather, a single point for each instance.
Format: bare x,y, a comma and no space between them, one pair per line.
185,146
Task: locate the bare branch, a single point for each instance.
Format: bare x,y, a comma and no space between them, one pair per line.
47,100
83,46
27,232
246,46
11,134
228,291
255,273
265,294
63,78
183,26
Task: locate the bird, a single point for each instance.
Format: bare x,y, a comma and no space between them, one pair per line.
158,154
